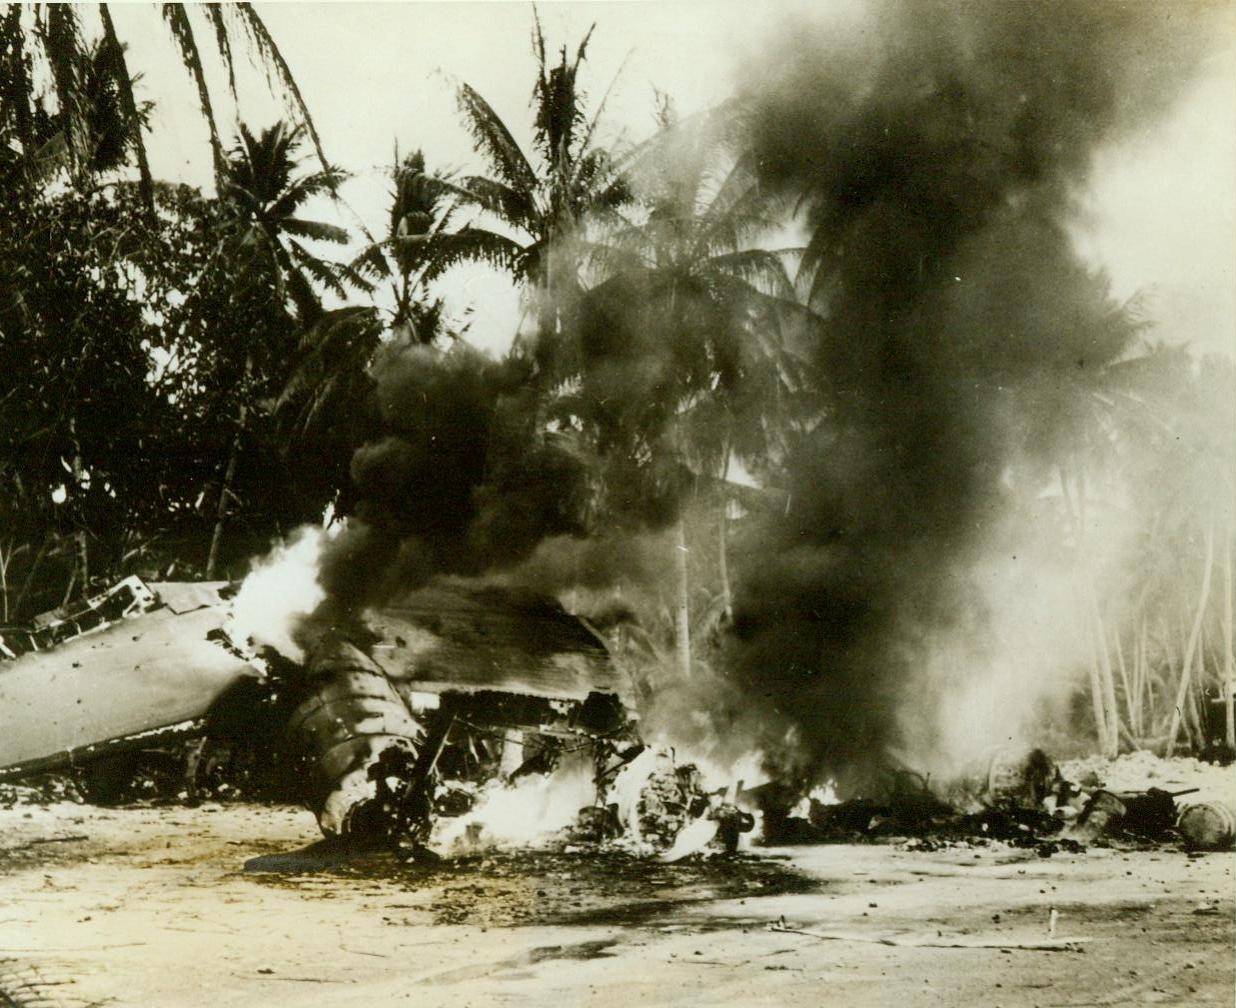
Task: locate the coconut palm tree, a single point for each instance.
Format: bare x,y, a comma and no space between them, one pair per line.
266,196
682,354
405,257
684,270
55,37
539,203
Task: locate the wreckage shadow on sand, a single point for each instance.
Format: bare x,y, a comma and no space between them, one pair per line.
513,888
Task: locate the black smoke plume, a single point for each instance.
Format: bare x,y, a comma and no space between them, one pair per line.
479,471
938,148
463,480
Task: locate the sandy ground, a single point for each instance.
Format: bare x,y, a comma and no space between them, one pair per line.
153,907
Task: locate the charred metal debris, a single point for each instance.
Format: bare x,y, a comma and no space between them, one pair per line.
1024,802
398,719
382,728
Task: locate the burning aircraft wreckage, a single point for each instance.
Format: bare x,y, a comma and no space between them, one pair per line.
412,713
385,724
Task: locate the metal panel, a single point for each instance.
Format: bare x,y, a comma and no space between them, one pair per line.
138,675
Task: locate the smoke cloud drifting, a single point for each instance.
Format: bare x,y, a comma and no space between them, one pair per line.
938,148
462,481
903,604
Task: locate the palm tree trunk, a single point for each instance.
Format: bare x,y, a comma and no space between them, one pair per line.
229,478
1191,648
682,619
1140,677
1100,698
1106,677
723,563
1096,700
1126,682
1229,659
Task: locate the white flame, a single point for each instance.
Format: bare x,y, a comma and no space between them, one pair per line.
280,590
823,794
533,808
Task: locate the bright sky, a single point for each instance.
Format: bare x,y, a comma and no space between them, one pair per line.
1161,218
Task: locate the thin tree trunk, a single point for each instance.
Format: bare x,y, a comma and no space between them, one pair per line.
5,556
225,493
1126,682
1096,701
1140,677
83,559
83,550
33,569
1101,696
229,477
1229,659
68,589
723,562
682,620
1106,678
1182,692
1169,652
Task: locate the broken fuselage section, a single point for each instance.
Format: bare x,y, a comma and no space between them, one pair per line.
382,726
456,686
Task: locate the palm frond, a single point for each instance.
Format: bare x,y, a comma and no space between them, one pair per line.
472,244
298,190
272,56
492,139
332,360
66,54
371,262
178,24
559,106
513,206
592,124
758,268
315,230
214,14
14,40
613,258
325,273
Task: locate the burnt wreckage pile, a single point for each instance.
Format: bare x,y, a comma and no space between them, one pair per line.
1025,800
443,683
395,719
447,687
383,727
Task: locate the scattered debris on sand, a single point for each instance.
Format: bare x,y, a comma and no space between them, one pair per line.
1027,803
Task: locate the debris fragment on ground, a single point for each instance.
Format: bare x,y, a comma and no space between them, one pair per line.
1029,803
